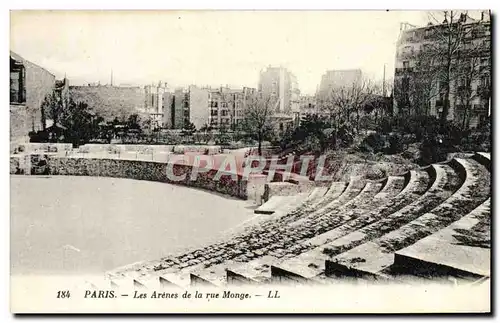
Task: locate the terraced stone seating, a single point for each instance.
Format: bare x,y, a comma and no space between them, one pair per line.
462,248
430,222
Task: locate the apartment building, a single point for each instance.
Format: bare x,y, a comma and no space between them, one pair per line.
181,108
29,85
227,106
422,62
336,79
282,86
154,104
198,106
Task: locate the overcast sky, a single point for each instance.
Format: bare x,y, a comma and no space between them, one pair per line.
207,47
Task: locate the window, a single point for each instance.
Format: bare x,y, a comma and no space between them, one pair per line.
485,81
17,83
406,84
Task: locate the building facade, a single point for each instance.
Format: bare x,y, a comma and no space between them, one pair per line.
111,101
168,110
29,85
227,106
198,106
282,87
181,108
308,105
336,79
154,104
455,52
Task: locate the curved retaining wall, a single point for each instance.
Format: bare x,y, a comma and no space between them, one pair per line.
229,184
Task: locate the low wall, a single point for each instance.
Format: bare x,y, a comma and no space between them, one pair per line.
205,150
147,170
15,167
44,147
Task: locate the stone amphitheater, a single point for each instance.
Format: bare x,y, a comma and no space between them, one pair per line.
427,224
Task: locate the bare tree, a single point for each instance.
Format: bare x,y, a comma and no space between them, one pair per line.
415,87
346,104
448,36
473,67
445,65
258,117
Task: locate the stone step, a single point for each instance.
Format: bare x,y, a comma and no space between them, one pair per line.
392,186
385,222
176,279
484,159
291,204
334,191
274,203
360,217
313,261
316,194
355,186
214,276
291,276
442,253
255,272
337,270
301,269
378,254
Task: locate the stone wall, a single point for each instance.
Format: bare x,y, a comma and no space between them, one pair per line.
147,170
110,101
15,165
39,84
18,124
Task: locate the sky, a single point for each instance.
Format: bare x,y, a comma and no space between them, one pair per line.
208,47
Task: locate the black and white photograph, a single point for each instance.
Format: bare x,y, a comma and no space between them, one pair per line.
250,161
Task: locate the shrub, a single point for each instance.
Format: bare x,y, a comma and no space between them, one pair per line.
373,142
396,144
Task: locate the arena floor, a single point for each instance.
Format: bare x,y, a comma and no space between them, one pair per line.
86,225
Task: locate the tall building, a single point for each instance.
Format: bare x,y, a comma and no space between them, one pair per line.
335,79
153,103
198,106
168,110
227,106
181,108
282,86
240,101
29,85
422,60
